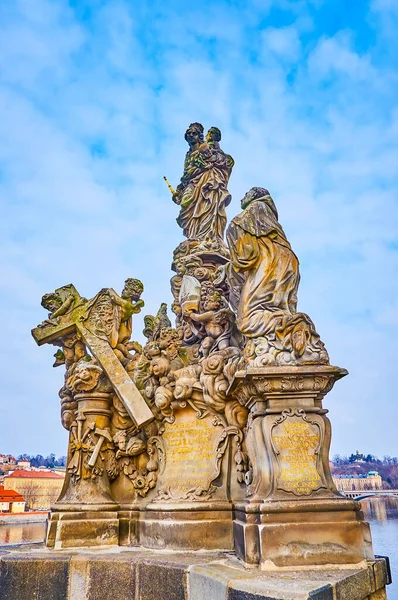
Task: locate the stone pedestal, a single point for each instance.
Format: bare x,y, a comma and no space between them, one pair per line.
192,507
85,513
293,515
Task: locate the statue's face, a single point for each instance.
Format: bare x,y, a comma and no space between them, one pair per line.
151,349
180,268
212,135
51,302
132,290
194,136
176,308
212,303
122,442
160,366
53,305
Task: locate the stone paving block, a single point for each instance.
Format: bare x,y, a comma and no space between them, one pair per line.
267,590
111,578
357,584
208,582
160,580
380,573
240,595
45,578
324,593
78,578
291,585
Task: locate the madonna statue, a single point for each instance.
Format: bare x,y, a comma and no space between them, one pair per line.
202,193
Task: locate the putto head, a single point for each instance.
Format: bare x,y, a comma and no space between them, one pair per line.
133,289
210,298
176,308
180,267
213,135
51,301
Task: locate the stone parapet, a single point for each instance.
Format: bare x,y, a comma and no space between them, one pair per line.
146,575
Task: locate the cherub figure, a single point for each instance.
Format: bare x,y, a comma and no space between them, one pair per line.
131,305
73,349
217,321
60,302
213,137
132,446
53,303
176,280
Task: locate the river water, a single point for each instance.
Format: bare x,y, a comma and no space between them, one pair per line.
21,533
382,513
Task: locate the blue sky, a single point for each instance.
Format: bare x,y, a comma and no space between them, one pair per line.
95,97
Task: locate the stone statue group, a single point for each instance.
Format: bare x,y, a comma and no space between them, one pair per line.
211,434
262,274
235,307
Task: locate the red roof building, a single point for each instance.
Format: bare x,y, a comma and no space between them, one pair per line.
11,501
39,488
19,473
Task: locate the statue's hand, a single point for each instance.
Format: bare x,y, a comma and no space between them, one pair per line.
138,305
176,198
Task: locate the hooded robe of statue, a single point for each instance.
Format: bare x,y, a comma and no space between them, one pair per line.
259,249
268,271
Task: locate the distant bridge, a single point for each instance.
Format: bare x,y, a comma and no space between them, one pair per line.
362,494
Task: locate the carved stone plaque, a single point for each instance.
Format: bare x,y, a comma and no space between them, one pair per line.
296,442
189,445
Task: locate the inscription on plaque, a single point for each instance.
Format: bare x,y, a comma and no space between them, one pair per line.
189,448
296,442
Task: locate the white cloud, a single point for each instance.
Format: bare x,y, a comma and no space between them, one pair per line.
283,41
334,54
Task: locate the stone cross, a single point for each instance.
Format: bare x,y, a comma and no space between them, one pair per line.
74,320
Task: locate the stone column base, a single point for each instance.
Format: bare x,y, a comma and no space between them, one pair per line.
82,529
277,535
190,527
129,523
